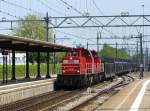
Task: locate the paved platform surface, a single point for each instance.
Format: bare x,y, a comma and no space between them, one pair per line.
133,97
14,92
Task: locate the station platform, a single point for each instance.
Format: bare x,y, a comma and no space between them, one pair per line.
133,97
23,80
14,92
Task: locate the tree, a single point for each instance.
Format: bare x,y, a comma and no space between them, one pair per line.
33,30
109,51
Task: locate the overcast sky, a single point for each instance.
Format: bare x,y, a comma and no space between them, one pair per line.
20,8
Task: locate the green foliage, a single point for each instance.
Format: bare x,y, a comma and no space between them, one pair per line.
32,29
21,70
59,56
33,57
109,51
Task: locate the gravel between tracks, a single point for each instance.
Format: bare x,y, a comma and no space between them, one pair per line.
95,102
60,100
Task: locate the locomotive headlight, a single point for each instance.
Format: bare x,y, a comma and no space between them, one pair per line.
64,71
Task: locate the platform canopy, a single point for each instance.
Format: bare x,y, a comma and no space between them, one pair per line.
8,42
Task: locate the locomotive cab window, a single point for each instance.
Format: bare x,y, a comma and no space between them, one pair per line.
86,54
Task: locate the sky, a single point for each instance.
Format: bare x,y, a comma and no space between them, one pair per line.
20,8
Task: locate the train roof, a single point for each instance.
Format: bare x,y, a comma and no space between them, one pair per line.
111,59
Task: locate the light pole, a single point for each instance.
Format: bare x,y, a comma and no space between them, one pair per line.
116,49
97,42
141,54
143,17
143,32
141,57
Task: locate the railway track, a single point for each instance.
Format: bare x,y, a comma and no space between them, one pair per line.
64,100
93,103
59,106
33,103
82,98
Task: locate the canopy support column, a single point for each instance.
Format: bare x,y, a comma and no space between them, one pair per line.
27,65
13,66
48,74
38,66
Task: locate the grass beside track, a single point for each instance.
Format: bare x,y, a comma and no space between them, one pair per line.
21,70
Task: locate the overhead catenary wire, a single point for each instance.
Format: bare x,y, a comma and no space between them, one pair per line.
80,37
76,10
100,11
6,13
76,36
103,13
55,5
44,4
98,8
62,31
71,7
86,5
40,0
22,7
14,4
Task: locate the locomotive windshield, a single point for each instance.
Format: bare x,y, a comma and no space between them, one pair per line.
86,54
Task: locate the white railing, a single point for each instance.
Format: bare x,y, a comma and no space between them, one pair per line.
94,68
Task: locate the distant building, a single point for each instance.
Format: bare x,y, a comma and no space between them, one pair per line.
20,58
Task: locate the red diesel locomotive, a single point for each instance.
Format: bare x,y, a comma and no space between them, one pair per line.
80,68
